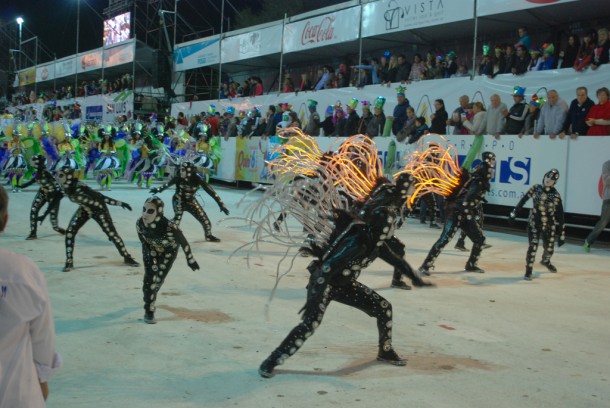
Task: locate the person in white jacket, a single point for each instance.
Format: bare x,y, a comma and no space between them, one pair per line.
477,127
27,334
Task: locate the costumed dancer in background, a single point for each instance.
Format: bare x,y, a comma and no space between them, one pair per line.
15,166
161,239
545,220
144,169
463,194
187,182
345,245
108,164
50,192
67,152
91,204
605,214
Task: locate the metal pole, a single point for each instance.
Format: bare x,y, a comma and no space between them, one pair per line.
35,65
20,25
222,18
360,50
282,54
76,56
474,46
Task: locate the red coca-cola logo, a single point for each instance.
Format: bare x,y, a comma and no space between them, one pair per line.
319,32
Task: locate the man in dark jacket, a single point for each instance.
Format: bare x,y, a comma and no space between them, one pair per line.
353,119
515,118
400,110
575,124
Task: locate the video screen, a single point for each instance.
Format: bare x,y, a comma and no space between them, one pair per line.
117,29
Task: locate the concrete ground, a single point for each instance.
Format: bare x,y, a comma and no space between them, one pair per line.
475,340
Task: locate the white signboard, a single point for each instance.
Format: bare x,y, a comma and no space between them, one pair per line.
45,72
65,67
489,7
386,16
199,54
120,54
106,108
323,30
89,61
252,44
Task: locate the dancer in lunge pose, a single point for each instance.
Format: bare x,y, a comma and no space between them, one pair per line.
91,204
50,192
345,245
464,195
545,221
187,182
161,239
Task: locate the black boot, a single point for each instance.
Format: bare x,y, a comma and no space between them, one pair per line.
391,357
130,261
31,237
472,267
61,230
212,238
69,266
398,284
549,265
149,317
266,368
528,274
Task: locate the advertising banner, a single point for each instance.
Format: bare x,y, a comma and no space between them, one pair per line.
328,29
45,72
104,108
250,157
226,168
199,54
489,7
27,76
385,16
65,67
252,44
118,55
89,61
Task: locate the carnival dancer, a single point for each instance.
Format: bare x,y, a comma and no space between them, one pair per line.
144,169
462,199
50,193
15,166
161,239
108,164
67,152
355,240
91,204
545,221
187,182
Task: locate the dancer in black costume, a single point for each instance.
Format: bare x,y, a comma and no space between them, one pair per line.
91,204
50,192
187,182
160,239
357,240
461,211
545,221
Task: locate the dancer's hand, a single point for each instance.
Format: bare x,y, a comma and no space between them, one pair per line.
224,210
194,265
126,206
511,218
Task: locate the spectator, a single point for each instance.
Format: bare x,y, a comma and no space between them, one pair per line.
552,116
510,59
462,72
392,70
371,70
324,78
328,125
418,69
456,120
486,68
408,131
305,84
433,68
404,69
600,53
377,123
362,78
421,128
498,61
495,116
339,121
27,338
288,84
365,118
585,52
439,118
605,214
567,57
182,119
213,120
383,68
257,84
548,60
575,124
522,61
294,120
270,120
476,127
524,38
353,119
399,116
598,118
450,65
515,117
536,60
312,127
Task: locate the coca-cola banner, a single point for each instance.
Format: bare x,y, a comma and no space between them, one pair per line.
65,67
252,44
89,61
323,30
489,7
386,16
45,72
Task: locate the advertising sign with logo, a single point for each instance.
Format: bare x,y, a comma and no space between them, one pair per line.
489,7
104,108
65,67
252,44
332,28
89,61
198,54
94,113
118,55
385,16
250,157
27,76
45,72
